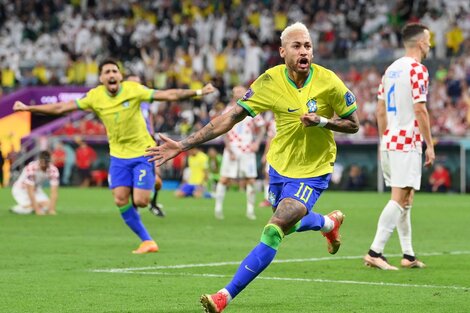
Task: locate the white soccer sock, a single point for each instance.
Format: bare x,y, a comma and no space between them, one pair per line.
225,292
329,224
387,222
250,199
266,191
404,231
220,190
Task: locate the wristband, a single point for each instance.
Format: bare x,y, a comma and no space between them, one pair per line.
199,92
323,122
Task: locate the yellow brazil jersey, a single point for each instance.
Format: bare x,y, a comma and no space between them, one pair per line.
121,115
198,165
297,151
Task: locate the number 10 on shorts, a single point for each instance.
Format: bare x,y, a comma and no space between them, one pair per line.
304,192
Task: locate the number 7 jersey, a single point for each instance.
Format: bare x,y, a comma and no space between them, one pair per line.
404,84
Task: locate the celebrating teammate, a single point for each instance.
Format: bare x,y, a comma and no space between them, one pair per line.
117,104
303,97
403,122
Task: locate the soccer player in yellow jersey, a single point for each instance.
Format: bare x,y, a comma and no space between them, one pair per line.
198,165
304,98
117,104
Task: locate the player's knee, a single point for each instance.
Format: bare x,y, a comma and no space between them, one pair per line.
121,200
142,202
272,236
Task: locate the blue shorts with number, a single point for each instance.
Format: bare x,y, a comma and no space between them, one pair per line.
304,190
133,173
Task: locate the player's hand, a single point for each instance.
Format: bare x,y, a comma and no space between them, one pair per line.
208,89
254,147
167,151
310,119
19,106
430,157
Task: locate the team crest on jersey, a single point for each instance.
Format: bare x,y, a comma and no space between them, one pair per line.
248,94
126,104
350,98
312,105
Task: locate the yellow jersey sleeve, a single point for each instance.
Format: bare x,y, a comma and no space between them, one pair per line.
343,100
259,97
87,101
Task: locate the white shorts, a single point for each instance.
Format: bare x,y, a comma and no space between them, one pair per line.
401,169
21,196
244,166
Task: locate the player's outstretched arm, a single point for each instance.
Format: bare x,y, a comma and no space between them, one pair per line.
349,124
218,126
49,109
180,94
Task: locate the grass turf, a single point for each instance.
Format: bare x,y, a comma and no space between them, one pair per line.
48,263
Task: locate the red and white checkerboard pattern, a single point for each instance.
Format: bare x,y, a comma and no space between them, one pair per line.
33,175
404,84
242,135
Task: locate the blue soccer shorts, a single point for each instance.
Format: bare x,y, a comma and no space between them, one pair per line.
133,173
305,190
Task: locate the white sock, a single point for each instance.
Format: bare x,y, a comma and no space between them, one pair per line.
250,199
387,222
225,291
266,191
220,190
329,224
404,231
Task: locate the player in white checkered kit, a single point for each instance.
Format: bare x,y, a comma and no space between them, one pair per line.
239,158
403,122
27,189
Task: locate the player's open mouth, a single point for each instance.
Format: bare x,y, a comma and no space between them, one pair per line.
303,63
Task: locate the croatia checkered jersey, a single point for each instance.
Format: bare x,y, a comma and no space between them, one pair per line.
243,134
404,84
32,175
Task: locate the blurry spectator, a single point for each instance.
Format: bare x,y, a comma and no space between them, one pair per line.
356,179
41,73
440,180
58,157
67,129
84,158
7,79
27,190
455,39
68,165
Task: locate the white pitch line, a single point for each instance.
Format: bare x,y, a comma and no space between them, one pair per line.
308,280
216,264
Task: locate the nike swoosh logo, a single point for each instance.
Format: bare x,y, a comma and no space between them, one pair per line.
291,110
249,269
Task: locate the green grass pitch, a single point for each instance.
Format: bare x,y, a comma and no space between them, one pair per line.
81,261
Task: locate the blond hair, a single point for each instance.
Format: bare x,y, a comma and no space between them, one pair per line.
298,26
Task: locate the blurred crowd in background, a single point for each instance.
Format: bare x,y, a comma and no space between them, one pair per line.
187,43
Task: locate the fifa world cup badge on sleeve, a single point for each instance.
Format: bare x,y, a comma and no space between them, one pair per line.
350,98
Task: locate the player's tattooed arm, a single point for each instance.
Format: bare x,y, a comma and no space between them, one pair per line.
218,126
349,124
